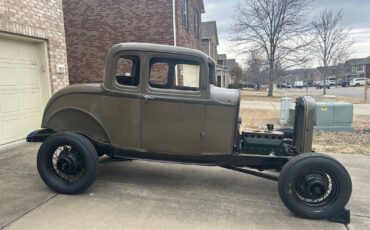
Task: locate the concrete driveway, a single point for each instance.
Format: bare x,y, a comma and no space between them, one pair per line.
147,195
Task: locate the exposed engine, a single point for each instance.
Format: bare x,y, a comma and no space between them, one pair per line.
269,142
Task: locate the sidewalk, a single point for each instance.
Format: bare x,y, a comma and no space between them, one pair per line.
358,109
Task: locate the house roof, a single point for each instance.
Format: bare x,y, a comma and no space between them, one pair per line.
202,8
231,63
208,30
222,57
359,61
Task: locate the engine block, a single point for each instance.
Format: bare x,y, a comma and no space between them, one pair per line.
270,143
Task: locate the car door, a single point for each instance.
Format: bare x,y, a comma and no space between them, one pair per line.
121,108
173,105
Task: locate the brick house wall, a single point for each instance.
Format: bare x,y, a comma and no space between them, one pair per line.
93,26
41,19
188,37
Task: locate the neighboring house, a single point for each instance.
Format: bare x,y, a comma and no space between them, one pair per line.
344,71
309,76
352,68
331,72
209,45
360,67
223,78
209,36
32,45
93,26
230,65
223,70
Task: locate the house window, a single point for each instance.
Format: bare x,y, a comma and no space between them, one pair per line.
359,67
185,13
174,74
127,70
196,23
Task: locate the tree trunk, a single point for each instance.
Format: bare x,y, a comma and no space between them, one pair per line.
271,80
325,71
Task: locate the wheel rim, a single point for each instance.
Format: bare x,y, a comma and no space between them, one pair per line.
316,188
67,163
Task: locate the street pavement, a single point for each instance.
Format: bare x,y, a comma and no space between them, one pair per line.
149,195
356,92
358,109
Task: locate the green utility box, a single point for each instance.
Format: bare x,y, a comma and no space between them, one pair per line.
334,116
330,116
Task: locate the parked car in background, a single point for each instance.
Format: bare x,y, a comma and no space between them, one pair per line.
316,83
289,86
357,82
344,83
298,84
250,85
332,81
368,81
283,86
321,85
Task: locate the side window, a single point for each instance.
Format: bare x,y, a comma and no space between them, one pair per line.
175,74
128,70
212,77
159,74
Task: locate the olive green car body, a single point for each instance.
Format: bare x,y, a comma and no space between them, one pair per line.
150,120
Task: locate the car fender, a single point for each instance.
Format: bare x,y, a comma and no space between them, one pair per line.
77,120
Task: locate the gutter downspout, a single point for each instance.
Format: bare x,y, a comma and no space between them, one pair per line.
174,22
209,47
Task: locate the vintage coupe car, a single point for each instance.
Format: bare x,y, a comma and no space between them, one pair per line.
161,103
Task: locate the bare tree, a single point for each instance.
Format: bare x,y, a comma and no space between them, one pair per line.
276,27
236,74
256,68
331,43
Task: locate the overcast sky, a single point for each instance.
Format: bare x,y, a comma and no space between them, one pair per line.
356,15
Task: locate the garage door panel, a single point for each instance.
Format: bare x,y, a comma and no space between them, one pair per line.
8,49
10,130
30,101
28,76
9,102
27,52
8,76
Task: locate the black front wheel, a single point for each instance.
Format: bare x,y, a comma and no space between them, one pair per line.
314,186
67,163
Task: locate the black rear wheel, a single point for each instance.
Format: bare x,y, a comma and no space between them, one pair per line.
67,163
314,186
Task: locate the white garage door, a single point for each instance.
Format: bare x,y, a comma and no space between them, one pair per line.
20,89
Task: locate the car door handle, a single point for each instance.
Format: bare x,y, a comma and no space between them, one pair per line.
147,98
